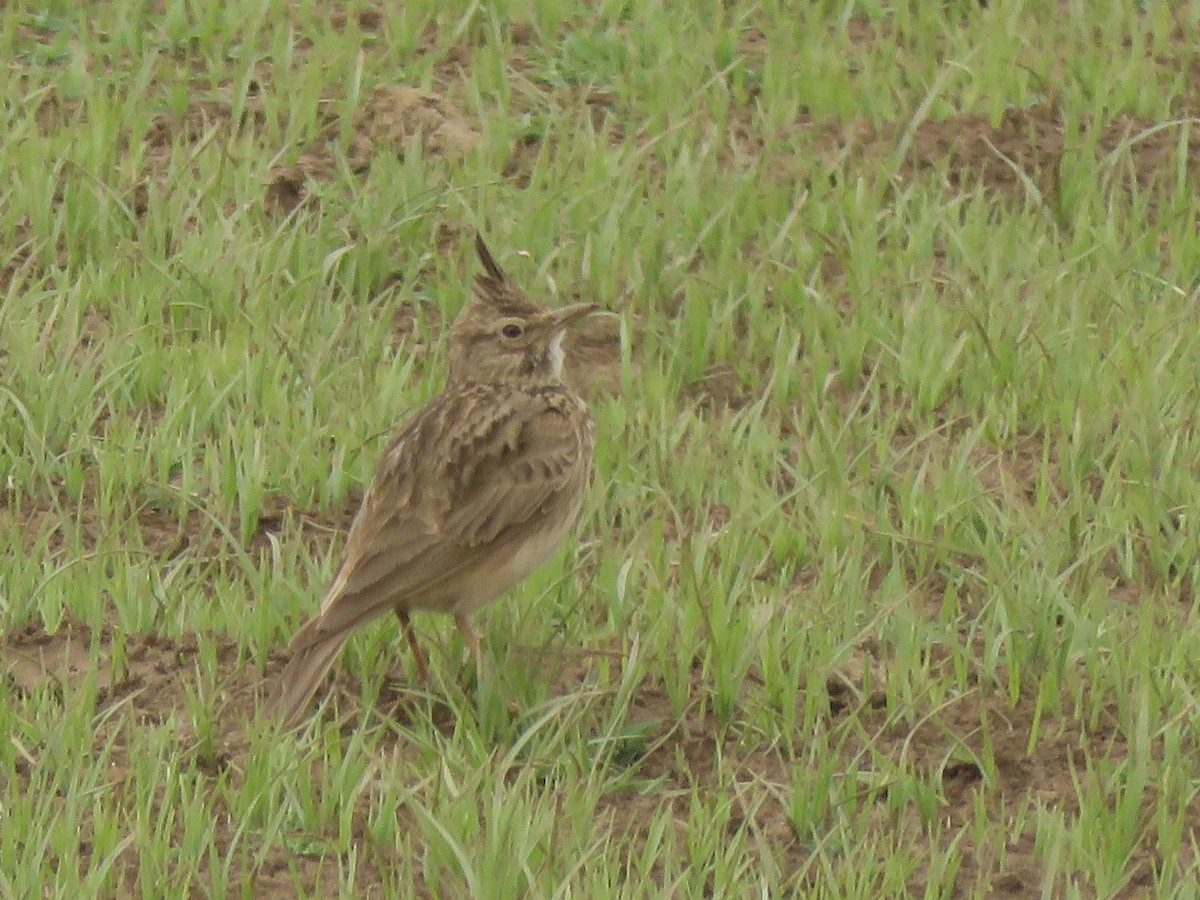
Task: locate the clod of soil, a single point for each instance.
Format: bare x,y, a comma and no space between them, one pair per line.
391,119
593,355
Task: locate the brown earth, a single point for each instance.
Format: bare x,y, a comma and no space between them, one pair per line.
393,116
150,690
971,750
1023,157
63,519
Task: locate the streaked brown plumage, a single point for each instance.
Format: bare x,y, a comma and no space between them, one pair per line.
477,489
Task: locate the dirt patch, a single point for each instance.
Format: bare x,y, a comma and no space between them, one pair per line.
1027,142
20,261
863,33
968,753
146,681
62,519
26,259
719,390
392,118
522,160
365,18
202,122
555,104
199,119
1026,474
50,109
412,323
1025,156
972,753
1015,474
148,665
592,354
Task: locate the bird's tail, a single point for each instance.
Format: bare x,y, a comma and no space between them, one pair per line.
302,675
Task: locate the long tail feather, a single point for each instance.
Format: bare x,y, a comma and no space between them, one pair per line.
302,676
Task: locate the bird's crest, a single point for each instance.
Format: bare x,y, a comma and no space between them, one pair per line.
494,289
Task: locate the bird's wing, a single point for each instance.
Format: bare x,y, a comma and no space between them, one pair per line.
467,469
546,459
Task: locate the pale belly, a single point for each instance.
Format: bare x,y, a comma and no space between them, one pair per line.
507,569
490,576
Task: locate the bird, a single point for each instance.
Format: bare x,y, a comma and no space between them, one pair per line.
476,490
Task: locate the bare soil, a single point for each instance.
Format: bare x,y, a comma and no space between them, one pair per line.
62,519
392,117
942,745
151,690
1026,156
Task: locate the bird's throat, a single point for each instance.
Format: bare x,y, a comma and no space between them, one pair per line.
556,354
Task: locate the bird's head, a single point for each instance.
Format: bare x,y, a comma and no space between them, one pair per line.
502,335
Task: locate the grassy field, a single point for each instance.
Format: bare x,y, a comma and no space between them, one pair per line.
886,581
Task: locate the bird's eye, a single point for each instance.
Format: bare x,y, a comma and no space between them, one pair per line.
511,330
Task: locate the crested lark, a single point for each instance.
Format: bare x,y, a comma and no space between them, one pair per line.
476,491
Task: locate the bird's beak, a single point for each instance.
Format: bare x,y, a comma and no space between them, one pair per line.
559,319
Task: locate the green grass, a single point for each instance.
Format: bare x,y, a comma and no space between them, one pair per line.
914,615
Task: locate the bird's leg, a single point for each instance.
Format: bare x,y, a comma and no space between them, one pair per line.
411,635
464,628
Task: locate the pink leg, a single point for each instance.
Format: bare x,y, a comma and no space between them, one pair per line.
411,635
464,628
